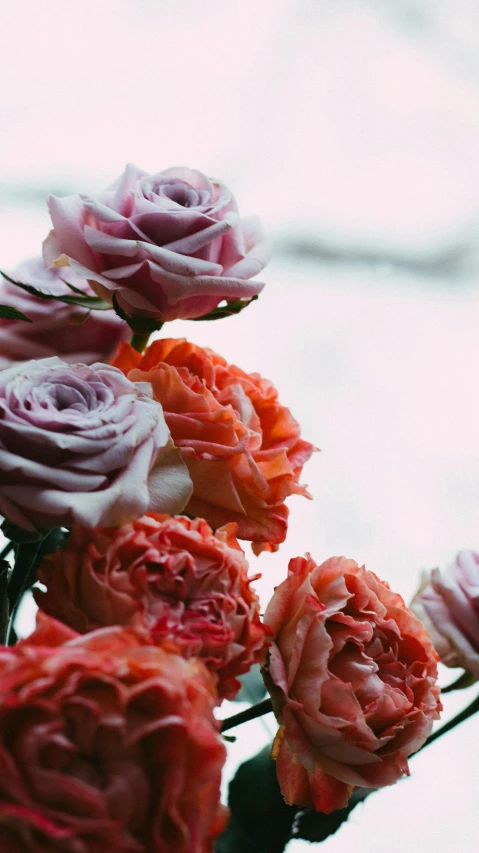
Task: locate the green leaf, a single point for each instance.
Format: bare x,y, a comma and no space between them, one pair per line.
252,686
73,288
314,826
260,822
139,325
84,301
78,321
57,538
9,313
227,310
235,840
467,679
4,569
29,555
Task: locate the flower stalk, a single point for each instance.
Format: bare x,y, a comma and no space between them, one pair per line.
264,707
139,340
248,714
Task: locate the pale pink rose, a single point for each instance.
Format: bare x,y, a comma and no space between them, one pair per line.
352,676
107,745
171,245
173,578
56,328
83,444
448,604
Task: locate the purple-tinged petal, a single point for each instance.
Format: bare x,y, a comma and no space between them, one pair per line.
102,242
68,217
193,242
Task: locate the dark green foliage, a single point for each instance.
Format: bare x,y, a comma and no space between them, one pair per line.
261,822
84,301
227,310
139,325
252,689
313,826
9,313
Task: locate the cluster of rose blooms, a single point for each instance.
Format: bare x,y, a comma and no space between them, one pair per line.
156,459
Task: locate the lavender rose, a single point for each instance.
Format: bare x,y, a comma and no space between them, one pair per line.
56,328
448,604
83,444
171,245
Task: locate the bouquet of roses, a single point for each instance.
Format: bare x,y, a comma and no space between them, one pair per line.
129,470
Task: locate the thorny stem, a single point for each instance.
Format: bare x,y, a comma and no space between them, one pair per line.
471,709
251,713
265,707
464,680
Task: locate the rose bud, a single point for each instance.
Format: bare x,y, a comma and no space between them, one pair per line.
242,447
56,328
448,604
170,245
173,578
352,676
107,746
83,445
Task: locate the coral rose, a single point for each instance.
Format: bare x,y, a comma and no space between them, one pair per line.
448,604
170,576
170,245
83,444
242,447
352,675
56,328
106,746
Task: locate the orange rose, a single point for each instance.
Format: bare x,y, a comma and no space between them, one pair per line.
352,676
169,576
106,746
243,448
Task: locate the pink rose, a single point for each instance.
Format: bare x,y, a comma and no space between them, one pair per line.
169,576
107,745
83,444
352,676
56,328
170,245
448,604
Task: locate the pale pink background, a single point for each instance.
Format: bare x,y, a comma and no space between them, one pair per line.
352,127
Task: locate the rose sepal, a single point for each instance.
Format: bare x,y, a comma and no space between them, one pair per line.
93,303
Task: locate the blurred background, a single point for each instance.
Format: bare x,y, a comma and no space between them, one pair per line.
352,128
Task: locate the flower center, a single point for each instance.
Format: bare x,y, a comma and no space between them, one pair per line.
180,193
59,395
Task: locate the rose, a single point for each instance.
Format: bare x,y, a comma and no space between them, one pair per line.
106,746
243,448
169,576
56,328
83,444
448,604
352,677
170,245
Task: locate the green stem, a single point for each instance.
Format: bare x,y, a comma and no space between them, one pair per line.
265,707
21,578
4,568
464,680
251,713
8,547
471,709
139,340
